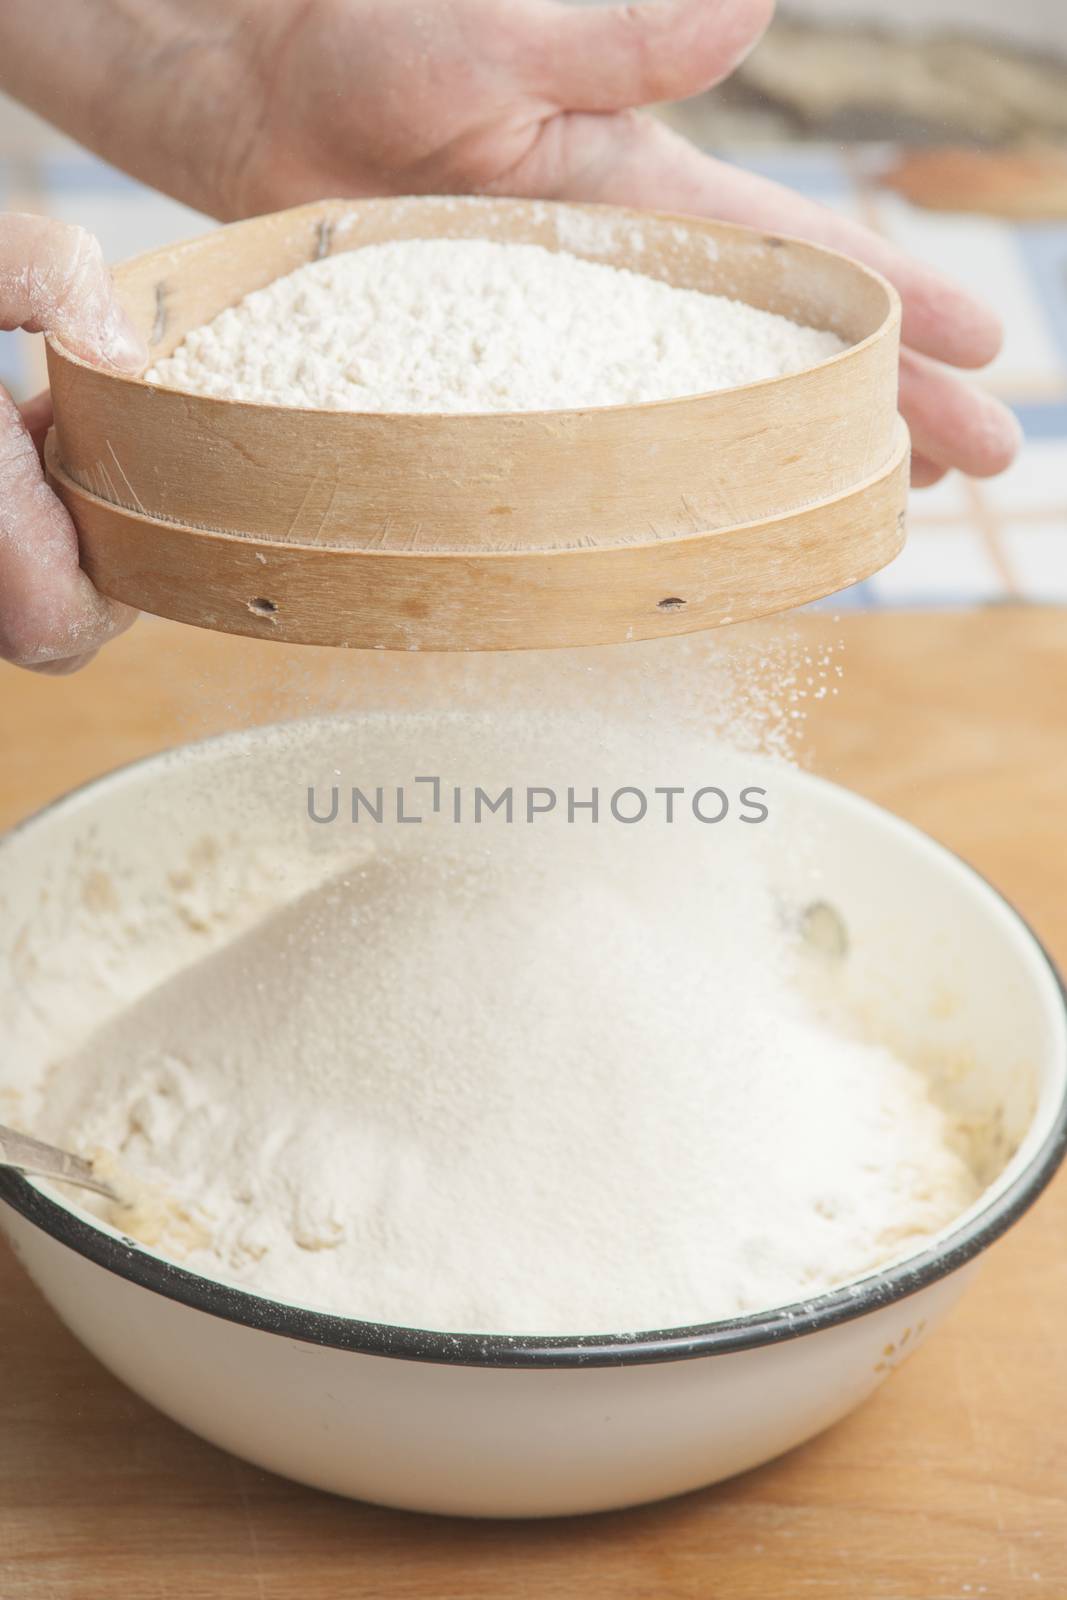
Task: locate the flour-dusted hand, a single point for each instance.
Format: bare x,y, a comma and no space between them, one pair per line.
52,280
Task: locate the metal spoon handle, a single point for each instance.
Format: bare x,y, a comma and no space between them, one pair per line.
39,1160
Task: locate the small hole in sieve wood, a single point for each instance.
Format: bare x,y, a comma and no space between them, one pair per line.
263,608
672,603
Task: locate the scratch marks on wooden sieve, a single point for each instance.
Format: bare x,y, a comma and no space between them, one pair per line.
159,325
310,521
134,501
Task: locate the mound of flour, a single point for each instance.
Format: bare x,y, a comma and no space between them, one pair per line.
468,325
468,1088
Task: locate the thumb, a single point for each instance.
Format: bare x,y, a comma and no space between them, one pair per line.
610,58
53,279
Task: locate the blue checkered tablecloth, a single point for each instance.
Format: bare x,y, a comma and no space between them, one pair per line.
970,543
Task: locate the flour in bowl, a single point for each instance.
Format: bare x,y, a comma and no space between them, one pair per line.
471,325
474,1084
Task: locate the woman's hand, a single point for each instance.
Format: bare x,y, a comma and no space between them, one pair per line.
52,280
527,97
241,106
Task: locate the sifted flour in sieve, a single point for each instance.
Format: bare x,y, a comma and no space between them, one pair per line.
469,325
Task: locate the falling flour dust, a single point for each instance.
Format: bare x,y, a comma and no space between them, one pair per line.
469,325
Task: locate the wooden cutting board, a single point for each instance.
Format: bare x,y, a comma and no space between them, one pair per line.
951,1484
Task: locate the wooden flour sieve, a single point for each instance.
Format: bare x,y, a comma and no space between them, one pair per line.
494,531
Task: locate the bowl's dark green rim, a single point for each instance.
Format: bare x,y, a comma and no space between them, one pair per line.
127,1259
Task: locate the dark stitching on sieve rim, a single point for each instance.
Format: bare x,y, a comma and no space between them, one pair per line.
127,1260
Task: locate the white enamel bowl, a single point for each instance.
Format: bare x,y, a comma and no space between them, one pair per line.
530,1426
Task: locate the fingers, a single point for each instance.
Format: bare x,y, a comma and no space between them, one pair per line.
632,160
641,162
954,424
611,58
53,279
940,318
924,474
50,615
37,418
63,669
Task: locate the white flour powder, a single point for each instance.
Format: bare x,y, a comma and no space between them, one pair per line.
471,325
469,1086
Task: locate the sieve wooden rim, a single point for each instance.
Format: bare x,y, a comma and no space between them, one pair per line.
498,508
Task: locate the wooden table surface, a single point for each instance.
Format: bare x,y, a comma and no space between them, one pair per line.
951,1482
